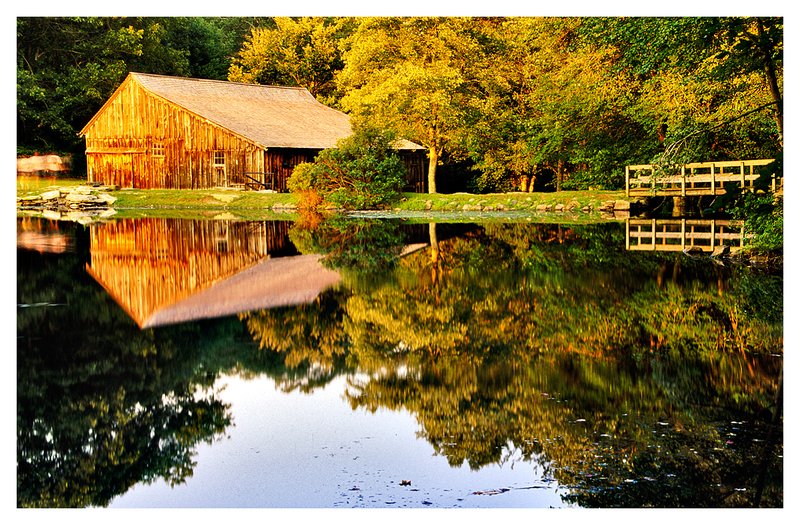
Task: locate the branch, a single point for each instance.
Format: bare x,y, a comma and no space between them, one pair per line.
675,147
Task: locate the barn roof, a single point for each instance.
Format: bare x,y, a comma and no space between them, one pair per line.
272,116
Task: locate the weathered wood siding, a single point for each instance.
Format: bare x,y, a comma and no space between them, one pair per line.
280,163
142,141
416,171
146,264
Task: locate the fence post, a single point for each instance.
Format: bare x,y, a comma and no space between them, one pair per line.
713,181
654,234
628,234
713,233
683,234
683,180
627,181
743,179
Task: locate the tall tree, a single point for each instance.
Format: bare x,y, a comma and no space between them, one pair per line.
412,75
297,52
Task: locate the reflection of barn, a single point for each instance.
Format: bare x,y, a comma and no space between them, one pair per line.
169,132
164,271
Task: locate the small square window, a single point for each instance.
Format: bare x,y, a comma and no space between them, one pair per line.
219,158
158,149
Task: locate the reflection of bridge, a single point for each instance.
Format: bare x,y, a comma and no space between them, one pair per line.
683,234
695,179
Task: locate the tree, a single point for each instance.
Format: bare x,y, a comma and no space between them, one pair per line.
362,171
296,52
412,75
67,67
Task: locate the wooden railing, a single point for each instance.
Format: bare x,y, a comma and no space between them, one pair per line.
683,234
699,178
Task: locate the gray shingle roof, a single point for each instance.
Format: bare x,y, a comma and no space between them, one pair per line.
272,116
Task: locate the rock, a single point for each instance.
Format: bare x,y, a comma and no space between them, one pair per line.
559,207
586,209
80,197
719,251
51,214
108,199
542,207
607,206
428,205
622,205
29,198
50,195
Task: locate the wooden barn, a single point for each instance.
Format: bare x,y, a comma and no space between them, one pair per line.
169,132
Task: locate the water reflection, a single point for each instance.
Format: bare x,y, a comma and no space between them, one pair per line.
668,235
166,271
549,344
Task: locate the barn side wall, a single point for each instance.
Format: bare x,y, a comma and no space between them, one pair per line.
142,141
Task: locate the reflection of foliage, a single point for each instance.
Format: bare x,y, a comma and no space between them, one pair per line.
548,340
367,246
102,405
540,340
309,336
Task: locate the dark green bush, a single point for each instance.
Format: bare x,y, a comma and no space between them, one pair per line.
362,172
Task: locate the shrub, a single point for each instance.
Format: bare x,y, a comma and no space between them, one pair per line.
362,172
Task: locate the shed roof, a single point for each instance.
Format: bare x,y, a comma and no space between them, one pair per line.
272,116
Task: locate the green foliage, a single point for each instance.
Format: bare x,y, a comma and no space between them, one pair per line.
514,97
362,172
296,52
67,67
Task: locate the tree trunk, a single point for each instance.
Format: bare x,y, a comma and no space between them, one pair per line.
435,255
772,80
559,174
433,155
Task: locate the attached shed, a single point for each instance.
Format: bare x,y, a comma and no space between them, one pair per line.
157,131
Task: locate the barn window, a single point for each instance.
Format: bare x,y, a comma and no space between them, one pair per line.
219,159
220,172
158,149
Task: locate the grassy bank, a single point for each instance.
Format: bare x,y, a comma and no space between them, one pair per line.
254,205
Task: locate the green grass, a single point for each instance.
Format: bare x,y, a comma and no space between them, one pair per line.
32,185
255,205
505,201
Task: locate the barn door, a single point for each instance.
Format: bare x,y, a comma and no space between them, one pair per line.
123,170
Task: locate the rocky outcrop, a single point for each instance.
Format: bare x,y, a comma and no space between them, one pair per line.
81,203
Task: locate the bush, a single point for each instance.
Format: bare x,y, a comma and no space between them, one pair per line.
362,172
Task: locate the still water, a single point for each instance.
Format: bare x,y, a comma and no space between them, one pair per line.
383,363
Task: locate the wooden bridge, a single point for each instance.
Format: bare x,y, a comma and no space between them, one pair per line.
695,179
683,234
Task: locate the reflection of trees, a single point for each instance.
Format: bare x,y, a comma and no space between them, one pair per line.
361,245
100,404
309,338
547,340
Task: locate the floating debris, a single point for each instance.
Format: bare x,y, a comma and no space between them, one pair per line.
492,492
405,482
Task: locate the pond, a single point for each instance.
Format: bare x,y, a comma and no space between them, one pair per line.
367,362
